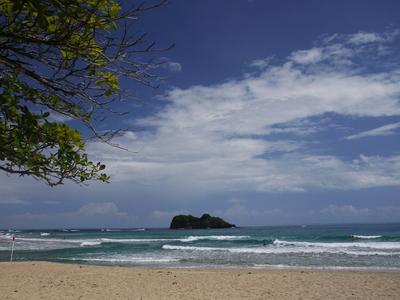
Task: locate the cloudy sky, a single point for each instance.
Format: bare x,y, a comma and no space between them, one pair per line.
274,112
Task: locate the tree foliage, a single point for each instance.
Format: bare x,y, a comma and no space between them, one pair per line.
63,58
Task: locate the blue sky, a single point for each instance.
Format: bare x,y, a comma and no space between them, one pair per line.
274,112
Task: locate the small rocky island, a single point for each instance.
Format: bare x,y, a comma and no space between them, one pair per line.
204,222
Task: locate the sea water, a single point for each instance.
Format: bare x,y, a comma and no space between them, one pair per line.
313,246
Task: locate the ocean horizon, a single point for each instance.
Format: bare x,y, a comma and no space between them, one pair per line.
329,246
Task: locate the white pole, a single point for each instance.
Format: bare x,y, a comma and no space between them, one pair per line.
12,247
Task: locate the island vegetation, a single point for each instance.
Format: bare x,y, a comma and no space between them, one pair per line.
204,222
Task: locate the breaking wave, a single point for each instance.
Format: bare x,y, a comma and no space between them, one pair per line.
127,259
365,237
45,242
370,245
288,247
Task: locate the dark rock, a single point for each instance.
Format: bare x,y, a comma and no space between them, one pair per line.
204,222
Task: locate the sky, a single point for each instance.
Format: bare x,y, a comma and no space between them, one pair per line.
272,113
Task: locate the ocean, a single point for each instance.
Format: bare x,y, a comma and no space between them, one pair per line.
312,246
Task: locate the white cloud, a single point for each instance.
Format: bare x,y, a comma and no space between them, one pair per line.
97,214
345,211
215,138
388,129
241,213
261,63
310,56
51,202
174,66
389,213
58,118
13,201
340,50
103,208
366,37
165,217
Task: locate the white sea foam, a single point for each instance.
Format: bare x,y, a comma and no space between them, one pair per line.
90,243
214,237
24,243
44,234
281,250
46,242
126,240
369,245
79,241
193,248
128,259
356,236
291,267
107,240
187,239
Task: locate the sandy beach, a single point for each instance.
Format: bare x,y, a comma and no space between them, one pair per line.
42,280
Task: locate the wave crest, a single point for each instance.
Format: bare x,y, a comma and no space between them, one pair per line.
287,249
367,237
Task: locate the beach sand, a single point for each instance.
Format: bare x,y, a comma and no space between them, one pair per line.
42,280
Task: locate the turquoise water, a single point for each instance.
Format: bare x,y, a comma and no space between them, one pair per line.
322,246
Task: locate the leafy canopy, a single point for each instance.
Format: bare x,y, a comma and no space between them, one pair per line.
62,59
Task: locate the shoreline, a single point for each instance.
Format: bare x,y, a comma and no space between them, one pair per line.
222,267
48,280
245,268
